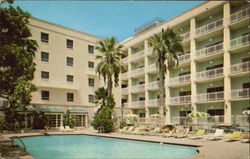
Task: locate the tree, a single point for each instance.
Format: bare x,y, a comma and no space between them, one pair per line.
17,67
166,45
110,64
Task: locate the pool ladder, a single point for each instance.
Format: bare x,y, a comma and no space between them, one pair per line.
21,141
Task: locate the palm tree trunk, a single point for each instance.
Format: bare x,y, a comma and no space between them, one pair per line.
162,90
110,85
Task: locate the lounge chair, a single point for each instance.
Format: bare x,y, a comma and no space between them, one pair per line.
236,135
171,133
137,131
245,138
129,131
123,129
68,129
181,134
199,134
156,131
217,135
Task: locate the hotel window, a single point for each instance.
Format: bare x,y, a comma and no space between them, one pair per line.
45,56
44,75
69,44
91,64
91,49
91,98
70,78
70,61
91,82
45,95
44,37
70,97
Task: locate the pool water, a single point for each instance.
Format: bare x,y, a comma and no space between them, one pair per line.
86,147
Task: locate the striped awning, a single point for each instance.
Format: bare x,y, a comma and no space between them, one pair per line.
77,111
51,110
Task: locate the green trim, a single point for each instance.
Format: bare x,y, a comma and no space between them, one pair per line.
51,110
77,111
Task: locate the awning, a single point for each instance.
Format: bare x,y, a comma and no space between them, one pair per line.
77,111
51,110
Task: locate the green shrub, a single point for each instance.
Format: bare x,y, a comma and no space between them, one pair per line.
69,121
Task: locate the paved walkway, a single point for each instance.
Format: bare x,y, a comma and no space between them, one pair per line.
208,149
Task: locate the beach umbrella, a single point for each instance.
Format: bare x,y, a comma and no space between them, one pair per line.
155,115
131,116
246,112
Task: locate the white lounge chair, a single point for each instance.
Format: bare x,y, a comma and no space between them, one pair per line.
182,133
217,135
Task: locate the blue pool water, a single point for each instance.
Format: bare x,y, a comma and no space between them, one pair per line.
86,147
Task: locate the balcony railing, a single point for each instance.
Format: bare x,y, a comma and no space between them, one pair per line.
210,120
209,50
214,96
125,105
180,79
240,67
180,99
210,74
240,93
240,15
138,71
209,27
138,88
184,58
154,102
124,76
240,41
91,71
186,36
152,67
154,85
138,104
124,90
242,120
137,55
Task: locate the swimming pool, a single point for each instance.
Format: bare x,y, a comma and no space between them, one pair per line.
81,146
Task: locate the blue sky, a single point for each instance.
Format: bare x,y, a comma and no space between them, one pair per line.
105,18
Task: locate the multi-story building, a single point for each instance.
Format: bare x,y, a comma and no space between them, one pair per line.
213,74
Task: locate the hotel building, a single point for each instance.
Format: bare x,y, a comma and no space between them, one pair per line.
213,74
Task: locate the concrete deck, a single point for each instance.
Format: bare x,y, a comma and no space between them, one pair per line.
208,149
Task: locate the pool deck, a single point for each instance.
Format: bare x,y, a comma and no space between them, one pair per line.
208,149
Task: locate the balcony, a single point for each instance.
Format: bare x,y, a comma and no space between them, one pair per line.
125,105
240,15
91,71
125,60
124,76
138,72
210,74
208,51
152,68
214,96
209,27
138,104
205,120
154,103
185,36
125,90
137,56
138,88
184,58
154,85
240,68
180,100
240,94
240,42
179,80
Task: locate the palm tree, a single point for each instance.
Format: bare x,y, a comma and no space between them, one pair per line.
110,64
100,98
166,45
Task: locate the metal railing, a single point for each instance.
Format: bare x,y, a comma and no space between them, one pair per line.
138,88
209,50
209,27
184,58
154,102
138,71
240,93
185,36
180,79
240,15
208,120
214,96
210,73
152,67
240,67
124,90
180,99
241,119
124,76
137,55
240,41
138,104
154,85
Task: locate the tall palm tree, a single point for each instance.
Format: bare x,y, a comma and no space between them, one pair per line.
166,45
110,64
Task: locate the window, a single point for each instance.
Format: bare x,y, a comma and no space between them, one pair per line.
91,64
70,78
44,37
70,97
91,82
45,56
45,75
91,98
45,95
70,61
69,44
90,49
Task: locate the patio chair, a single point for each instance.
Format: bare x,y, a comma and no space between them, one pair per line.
217,135
129,131
182,133
199,134
236,135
